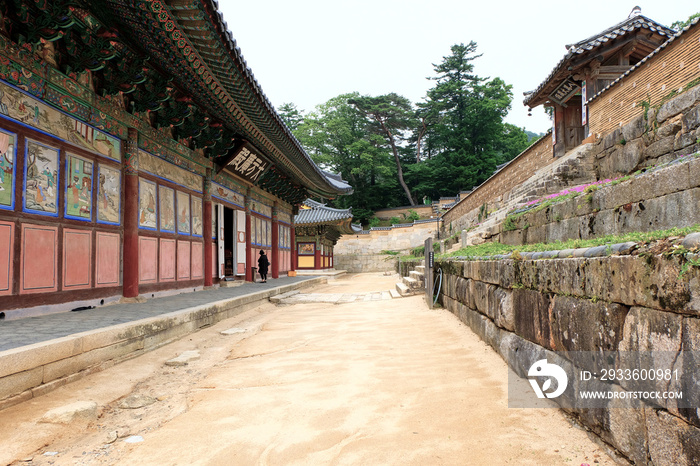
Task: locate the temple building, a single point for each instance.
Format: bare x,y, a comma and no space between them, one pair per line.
138,156
587,68
317,230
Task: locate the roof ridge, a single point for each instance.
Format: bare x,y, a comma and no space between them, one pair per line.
629,21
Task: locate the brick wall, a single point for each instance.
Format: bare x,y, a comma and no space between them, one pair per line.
669,70
502,183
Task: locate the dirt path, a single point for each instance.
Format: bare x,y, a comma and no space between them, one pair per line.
374,383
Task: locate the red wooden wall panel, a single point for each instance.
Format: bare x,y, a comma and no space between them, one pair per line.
77,259
38,259
7,236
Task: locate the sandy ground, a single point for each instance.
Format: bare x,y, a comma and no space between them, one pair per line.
375,383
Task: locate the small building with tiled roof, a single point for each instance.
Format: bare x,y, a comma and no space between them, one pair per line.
317,230
587,68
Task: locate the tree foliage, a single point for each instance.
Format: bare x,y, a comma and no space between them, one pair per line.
394,152
678,25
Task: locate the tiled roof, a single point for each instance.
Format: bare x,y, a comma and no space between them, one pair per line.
318,213
587,45
694,22
178,35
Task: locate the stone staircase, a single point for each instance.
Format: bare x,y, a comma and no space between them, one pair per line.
574,168
413,284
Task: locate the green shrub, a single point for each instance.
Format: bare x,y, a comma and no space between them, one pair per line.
412,216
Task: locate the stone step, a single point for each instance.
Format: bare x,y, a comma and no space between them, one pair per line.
394,294
416,274
231,283
420,268
278,298
412,283
403,290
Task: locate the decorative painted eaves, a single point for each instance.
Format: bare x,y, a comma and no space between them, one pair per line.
189,41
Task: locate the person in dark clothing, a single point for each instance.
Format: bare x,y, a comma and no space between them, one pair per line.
263,264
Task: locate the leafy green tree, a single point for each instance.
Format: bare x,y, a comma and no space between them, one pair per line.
291,116
337,137
390,116
468,138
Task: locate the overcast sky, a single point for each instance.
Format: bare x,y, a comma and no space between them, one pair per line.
308,51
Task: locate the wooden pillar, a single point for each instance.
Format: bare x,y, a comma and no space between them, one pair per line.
131,216
318,258
275,259
206,231
250,258
293,245
559,131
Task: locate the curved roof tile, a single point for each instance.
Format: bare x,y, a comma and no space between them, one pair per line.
620,29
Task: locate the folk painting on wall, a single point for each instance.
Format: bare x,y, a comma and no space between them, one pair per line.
8,145
167,209
197,216
306,249
79,188
183,213
258,231
41,179
109,195
147,204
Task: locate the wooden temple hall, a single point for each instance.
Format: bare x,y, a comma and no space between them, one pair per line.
587,68
139,156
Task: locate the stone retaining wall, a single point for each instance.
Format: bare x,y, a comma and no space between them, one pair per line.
359,263
397,238
36,369
616,303
658,200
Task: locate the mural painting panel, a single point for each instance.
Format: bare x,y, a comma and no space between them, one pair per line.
41,179
197,216
30,111
223,193
258,231
168,171
77,265
167,208
183,213
7,236
147,204
79,188
108,259
38,259
306,249
109,195
8,155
